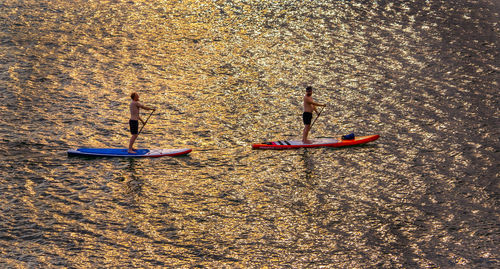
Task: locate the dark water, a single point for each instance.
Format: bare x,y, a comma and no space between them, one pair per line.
226,74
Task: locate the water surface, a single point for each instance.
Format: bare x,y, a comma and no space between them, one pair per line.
224,75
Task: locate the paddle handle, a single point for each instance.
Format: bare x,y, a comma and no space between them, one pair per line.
145,122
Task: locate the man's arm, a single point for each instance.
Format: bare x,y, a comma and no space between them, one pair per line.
145,107
310,101
314,105
317,104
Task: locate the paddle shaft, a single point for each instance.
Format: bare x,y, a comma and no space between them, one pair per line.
317,116
145,122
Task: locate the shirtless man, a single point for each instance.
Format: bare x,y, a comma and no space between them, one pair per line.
135,106
309,107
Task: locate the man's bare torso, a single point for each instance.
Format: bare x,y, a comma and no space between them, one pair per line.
134,110
308,104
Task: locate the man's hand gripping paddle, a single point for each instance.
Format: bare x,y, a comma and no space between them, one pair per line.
318,116
146,121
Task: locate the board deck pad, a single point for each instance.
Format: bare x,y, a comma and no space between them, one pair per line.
300,143
320,142
114,152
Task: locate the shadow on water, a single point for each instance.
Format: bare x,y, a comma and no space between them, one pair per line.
309,165
134,183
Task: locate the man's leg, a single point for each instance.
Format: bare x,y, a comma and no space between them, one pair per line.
306,133
131,143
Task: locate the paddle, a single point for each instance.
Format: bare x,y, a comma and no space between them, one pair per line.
146,121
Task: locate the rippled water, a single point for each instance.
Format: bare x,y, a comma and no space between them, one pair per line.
224,75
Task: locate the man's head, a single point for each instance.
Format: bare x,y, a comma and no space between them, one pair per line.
134,96
309,90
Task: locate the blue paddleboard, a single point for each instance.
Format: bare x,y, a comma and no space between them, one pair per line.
112,152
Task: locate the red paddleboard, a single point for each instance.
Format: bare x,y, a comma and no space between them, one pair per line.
315,143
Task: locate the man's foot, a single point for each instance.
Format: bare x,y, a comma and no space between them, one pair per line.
306,141
131,151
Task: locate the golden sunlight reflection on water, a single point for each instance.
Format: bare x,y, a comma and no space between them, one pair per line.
224,75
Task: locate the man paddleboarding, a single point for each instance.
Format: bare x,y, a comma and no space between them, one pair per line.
135,107
309,107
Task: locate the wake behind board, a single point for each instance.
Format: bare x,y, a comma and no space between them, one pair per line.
321,142
110,152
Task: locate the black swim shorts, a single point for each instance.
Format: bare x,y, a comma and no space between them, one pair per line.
134,126
307,117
